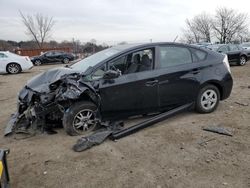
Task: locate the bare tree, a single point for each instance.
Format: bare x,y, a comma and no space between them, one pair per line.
198,29
191,31
38,27
228,23
203,25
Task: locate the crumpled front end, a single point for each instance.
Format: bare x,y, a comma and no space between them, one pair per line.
42,108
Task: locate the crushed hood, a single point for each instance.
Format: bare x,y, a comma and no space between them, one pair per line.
40,83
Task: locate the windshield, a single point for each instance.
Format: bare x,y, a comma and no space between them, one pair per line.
94,59
12,54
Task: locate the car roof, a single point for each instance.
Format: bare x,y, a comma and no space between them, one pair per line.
125,47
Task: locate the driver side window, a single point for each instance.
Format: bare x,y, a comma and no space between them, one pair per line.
134,62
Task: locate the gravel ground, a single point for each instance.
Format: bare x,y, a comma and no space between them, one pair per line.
169,154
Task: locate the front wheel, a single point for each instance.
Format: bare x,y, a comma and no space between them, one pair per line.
243,60
13,68
208,99
79,119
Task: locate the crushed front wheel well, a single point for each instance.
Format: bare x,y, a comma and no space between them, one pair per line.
89,96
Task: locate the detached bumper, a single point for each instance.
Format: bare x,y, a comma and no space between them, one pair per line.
4,173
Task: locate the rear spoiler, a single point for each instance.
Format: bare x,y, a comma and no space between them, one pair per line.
4,173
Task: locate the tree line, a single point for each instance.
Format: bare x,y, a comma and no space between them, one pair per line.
39,29
225,26
76,46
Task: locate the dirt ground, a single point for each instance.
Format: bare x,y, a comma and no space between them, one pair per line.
169,154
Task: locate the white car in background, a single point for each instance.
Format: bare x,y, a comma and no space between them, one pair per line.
12,63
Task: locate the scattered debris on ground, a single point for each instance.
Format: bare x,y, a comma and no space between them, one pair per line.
242,104
219,130
97,137
114,129
204,142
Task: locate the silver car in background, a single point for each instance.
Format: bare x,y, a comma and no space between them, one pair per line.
246,45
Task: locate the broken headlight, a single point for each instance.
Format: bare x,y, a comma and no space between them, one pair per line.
54,86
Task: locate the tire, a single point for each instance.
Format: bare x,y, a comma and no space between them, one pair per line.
65,60
243,60
79,118
13,68
208,99
37,62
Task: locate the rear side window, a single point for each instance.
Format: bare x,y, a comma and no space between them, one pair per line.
233,47
174,55
198,55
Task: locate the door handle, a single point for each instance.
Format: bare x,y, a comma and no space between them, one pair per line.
195,71
151,83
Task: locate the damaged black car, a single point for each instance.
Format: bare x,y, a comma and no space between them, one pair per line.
120,82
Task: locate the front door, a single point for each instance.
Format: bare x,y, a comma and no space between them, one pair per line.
135,91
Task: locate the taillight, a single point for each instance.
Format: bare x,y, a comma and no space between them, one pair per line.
226,63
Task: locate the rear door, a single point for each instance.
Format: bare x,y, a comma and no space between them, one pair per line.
136,90
234,52
49,57
179,75
225,50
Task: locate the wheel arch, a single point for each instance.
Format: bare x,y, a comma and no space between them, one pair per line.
89,95
244,55
216,84
14,63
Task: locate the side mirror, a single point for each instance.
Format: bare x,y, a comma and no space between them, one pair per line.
111,74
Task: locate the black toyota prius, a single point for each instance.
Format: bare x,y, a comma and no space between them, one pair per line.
124,81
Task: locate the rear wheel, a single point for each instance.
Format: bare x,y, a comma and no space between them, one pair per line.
13,68
208,99
243,60
79,119
37,62
65,60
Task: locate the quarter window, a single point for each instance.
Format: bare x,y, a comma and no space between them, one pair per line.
174,55
98,73
198,55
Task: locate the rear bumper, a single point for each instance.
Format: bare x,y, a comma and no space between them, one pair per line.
227,86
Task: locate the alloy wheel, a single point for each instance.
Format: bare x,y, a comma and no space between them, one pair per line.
209,99
66,61
37,62
13,68
84,121
243,60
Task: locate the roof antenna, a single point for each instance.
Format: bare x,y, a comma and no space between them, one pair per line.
175,38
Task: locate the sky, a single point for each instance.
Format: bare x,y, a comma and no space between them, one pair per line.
110,21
